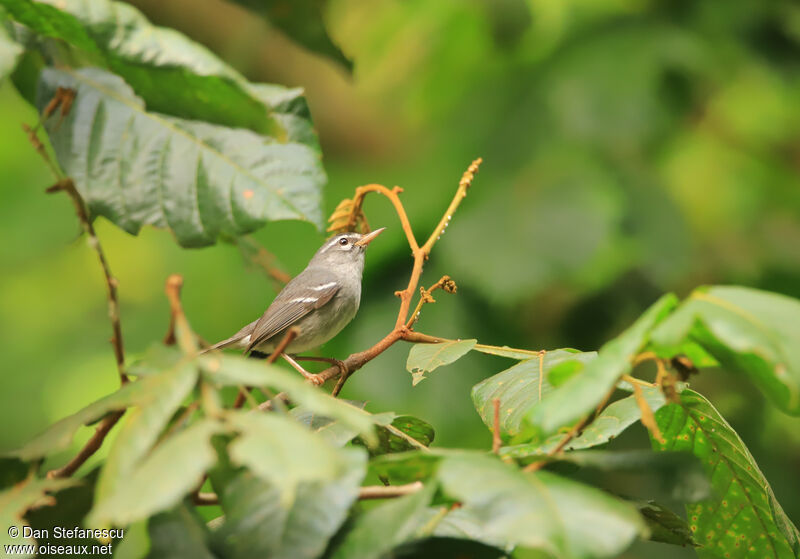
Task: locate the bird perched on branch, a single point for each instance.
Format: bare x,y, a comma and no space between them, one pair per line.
320,301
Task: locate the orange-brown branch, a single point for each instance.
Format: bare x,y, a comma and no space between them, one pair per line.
402,328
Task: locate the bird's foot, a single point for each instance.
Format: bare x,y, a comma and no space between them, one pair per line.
332,361
314,379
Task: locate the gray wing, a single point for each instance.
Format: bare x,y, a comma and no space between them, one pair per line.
297,299
233,340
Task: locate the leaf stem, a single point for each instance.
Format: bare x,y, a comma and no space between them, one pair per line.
496,440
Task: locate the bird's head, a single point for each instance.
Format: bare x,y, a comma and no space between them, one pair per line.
345,248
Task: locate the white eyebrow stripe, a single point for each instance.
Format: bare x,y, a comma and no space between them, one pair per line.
305,300
349,236
324,286
329,245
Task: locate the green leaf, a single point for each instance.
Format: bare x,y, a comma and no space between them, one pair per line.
142,425
178,533
418,429
171,73
463,523
258,524
12,471
284,453
583,392
748,330
10,51
379,530
665,526
233,370
137,167
680,473
520,388
742,518
302,20
612,421
136,543
541,510
331,430
69,508
406,467
424,358
141,392
390,428
161,480
445,547
16,500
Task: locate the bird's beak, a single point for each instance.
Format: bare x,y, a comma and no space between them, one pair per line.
369,237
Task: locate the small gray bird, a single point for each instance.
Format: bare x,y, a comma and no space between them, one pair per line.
320,301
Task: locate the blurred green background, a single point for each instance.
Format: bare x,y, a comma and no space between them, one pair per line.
631,147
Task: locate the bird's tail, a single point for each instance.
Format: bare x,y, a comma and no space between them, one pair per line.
233,340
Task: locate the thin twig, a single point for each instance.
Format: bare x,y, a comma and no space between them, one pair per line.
205,499
541,372
263,259
179,325
646,412
364,493
68,186
91,446
461,193
496,440
445,283
420,338
388,491
64,97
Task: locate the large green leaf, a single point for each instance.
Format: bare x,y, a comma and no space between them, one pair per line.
302,20
463,523
10,50
612,421
233,370
380,529
424,358
139,393
520,388
581,393
542,510
742,519
141,428
284,453
140,168
69,507
178,533
259,524
161,480
15,500
745,329
171,73
680,474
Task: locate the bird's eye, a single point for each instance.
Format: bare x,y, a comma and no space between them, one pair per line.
343,241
